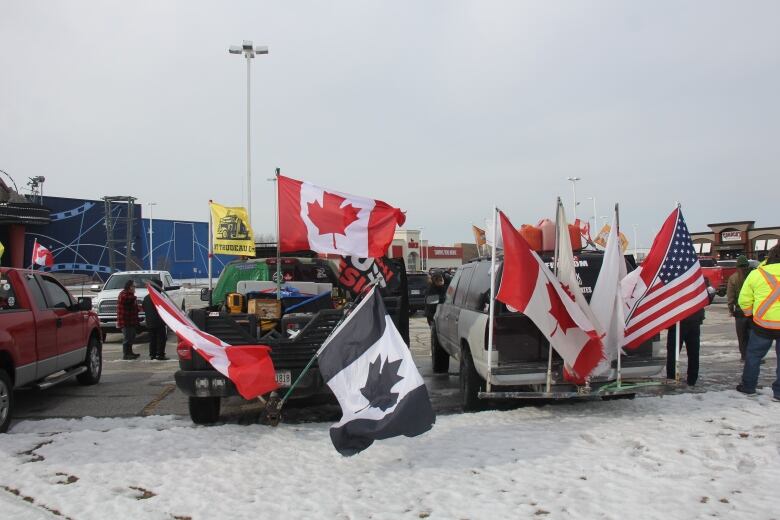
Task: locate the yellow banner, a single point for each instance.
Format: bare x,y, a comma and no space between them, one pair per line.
232,231
2,250
601,238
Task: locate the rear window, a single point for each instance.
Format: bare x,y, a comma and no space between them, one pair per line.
727,263
417,281
8,301
706,262
463,286
140,280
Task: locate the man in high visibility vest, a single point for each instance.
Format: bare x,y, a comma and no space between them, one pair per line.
760,299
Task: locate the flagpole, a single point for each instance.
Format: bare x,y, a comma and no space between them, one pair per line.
677,329
622,259
491,319
32,258
278,241
555,272
211,252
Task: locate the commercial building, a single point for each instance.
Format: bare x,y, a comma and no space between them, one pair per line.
728,240
419,255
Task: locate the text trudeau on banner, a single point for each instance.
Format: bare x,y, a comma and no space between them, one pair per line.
325,221
231,230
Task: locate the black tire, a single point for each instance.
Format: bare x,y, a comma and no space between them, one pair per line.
93,362
204,410
6,401
470,382
440,359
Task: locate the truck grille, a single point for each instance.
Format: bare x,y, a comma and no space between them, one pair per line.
107,307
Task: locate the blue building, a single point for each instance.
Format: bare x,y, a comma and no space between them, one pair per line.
76,236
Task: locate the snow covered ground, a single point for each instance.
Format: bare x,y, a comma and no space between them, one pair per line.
704,455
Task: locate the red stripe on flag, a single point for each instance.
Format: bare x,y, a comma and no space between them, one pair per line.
293,234
667,323
590,356
381,228
251,369
655,258
666,305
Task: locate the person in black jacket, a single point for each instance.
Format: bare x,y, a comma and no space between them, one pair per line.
437,289
690,335
158,334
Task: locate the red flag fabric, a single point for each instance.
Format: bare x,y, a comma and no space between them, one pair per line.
326,221
249,367
528,286
42,256
667,287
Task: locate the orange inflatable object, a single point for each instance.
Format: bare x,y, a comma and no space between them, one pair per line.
532,235
547,228
575,237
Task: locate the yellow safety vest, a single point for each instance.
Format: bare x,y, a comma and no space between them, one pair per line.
760,296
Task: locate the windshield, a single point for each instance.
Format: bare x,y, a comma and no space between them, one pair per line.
706,262
417,281
118,281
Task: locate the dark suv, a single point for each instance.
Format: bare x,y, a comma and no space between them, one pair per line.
520,350
418,286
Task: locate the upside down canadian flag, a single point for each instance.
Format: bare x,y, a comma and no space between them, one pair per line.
529,287
325,221
249,367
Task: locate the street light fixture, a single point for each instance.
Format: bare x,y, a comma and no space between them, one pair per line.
574,193
151,235
249,50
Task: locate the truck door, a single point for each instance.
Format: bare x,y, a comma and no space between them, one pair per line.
46,328
70,322
450,313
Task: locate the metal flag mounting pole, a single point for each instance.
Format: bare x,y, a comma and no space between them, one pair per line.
211,252
492,311
677,328
555,272
619,346
278,241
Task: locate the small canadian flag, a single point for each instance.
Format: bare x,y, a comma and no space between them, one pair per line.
41,256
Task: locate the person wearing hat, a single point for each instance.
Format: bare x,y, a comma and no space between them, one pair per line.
158,334
742,323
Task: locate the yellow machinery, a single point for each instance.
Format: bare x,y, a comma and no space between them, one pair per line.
234,302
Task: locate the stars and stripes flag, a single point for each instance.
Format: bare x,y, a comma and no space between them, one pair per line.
667,287
249,367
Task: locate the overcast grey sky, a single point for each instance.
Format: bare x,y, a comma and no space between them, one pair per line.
442,108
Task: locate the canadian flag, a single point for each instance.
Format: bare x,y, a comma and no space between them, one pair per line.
528,286
325,221
41,256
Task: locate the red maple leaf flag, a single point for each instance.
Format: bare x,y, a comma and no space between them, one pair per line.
41,256
528,286
326,221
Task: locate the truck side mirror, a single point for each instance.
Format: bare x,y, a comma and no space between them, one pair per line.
84,303
95,288
205,294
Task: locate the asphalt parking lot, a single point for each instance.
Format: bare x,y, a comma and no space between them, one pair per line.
145,387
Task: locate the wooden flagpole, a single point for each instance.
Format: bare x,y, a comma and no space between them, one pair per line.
622,259
677,329
555,272
492,315
278,241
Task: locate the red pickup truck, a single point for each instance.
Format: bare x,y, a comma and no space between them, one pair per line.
717,272
46,336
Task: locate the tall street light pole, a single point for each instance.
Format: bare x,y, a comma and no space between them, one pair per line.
249,50
574,193
595,224
151,234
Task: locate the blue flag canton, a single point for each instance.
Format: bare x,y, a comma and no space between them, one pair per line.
681,256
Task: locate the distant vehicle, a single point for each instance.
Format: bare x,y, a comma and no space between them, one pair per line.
520,354
418,281
231,227
106,299
717,275
46,336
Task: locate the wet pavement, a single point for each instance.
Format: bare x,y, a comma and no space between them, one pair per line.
146,387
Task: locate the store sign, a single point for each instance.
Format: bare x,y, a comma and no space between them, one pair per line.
413,245
445,252
731,236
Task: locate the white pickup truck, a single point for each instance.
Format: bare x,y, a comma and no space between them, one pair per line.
104,304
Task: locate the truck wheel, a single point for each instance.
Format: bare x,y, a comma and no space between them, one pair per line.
204,410
94,363
439,357
470,382
6,401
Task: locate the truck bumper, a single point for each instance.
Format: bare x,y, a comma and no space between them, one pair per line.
210,383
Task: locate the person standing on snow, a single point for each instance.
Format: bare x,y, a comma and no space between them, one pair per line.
158,334
734,286
127,319
759,299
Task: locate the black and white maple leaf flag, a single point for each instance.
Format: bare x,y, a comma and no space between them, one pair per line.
369,368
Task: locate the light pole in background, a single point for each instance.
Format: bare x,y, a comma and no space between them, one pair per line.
574,193
422,251
151,234
595,224
635,244
249,51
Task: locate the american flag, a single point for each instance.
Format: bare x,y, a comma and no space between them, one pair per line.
667,287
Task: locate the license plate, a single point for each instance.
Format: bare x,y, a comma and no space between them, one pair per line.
415,291
283,378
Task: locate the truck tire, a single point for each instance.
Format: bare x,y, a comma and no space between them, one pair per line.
93,362
470,382
6,401
440,359
204,410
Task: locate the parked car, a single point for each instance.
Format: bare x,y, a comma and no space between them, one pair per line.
296,336
418,281
520,352
46,336
105,301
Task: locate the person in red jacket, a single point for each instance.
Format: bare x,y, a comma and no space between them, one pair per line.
127,319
